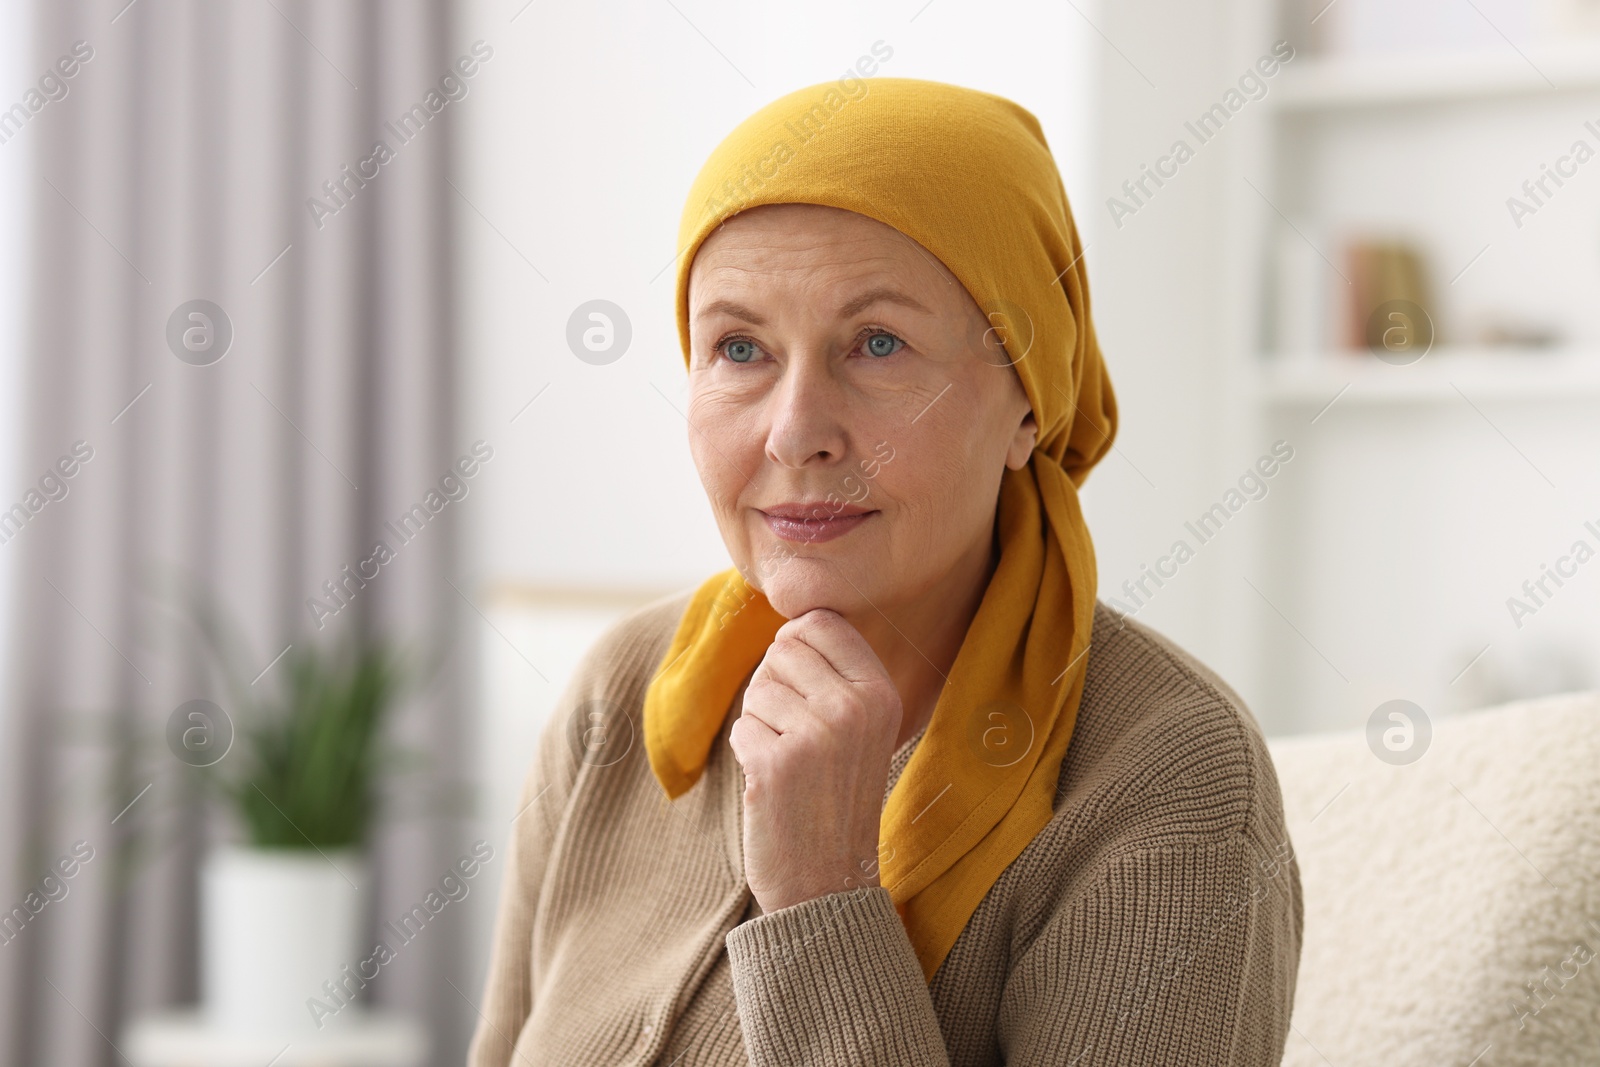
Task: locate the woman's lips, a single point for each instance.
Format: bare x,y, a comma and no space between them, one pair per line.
796,525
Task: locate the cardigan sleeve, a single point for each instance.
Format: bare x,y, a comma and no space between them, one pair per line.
1174,954
1184,953
833,981
508,994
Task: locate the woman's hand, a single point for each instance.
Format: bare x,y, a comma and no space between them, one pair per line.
815,739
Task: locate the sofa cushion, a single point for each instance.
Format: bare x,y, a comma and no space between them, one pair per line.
1452,903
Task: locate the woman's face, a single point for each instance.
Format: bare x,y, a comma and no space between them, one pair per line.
851,410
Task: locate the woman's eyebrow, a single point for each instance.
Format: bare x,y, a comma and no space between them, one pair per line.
730,307
882,294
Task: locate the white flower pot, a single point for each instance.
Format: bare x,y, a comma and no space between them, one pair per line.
276,924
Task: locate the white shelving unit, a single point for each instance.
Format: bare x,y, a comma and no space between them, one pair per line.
1426,492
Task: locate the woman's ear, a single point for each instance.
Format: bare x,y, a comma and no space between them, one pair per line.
1022,442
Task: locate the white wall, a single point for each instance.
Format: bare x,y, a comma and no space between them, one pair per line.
1164,310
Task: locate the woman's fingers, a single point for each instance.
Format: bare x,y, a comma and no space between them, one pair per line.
750,740
818,721
840,644
777,705
800,667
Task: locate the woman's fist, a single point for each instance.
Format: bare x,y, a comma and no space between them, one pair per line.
815,739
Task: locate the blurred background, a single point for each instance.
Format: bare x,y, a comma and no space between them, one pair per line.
297,424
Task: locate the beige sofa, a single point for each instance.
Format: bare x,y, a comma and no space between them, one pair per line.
1452,903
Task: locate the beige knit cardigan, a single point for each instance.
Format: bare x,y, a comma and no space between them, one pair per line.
1155,920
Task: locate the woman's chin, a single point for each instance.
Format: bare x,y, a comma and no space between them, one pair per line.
802,585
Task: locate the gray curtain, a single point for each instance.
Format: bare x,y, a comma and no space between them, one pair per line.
176,165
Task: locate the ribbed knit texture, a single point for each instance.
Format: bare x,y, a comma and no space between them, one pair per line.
1156,919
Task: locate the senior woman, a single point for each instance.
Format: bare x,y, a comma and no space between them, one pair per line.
895,788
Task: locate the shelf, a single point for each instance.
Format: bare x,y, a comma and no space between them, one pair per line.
1445,374
1376,81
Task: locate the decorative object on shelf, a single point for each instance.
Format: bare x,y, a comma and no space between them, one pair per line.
1389,308
1518,334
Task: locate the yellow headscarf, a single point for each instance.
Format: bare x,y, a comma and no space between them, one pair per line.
969,176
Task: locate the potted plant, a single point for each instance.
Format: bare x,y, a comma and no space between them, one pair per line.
299,760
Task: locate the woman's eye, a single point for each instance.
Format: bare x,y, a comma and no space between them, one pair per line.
878,344
883,344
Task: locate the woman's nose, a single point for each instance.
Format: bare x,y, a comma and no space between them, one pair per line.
806,415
